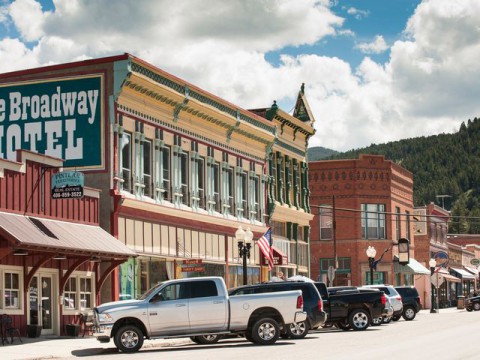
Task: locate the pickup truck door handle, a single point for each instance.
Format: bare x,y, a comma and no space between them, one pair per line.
180,305
218,302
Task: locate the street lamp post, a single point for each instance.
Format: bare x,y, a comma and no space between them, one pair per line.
371,252
244,239
432,263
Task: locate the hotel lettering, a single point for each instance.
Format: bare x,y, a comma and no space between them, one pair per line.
61,118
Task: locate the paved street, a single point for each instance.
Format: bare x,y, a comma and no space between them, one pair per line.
452,334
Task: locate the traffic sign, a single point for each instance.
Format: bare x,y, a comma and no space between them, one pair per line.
331,273
437,280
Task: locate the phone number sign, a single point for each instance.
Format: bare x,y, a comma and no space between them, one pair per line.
67,185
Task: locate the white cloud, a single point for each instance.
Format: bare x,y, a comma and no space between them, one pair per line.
357,13
428,86
377,46
28,18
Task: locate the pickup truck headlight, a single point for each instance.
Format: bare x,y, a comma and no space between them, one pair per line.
104,318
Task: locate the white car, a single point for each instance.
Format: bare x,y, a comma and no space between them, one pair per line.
393,296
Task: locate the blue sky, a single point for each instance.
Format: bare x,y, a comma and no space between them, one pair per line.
366,19
374,70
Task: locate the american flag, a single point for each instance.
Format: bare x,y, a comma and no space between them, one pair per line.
265,245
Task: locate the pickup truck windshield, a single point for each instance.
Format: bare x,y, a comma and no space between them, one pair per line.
148,292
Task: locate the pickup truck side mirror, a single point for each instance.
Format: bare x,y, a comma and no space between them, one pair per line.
157,297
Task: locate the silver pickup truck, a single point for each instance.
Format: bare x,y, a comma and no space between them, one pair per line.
196,308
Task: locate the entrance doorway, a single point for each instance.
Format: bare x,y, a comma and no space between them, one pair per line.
42,304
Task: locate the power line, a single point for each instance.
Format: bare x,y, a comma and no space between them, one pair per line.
413,216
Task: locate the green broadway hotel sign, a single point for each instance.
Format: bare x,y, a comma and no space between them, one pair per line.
60,117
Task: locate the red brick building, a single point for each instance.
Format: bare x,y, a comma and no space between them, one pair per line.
360,203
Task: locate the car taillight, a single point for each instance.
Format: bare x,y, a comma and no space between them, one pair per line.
399,298
383,299
320,305
300,302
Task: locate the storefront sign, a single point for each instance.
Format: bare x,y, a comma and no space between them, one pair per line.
193,269
475,262
67,185
192,261
62,118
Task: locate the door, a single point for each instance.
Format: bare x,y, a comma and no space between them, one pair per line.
207,309
41,303
168,311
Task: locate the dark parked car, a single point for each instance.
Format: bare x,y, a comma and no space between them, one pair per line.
411,301
312,303
348,307
472,303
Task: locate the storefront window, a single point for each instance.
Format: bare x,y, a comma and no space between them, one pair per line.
12,291
70,294
85,293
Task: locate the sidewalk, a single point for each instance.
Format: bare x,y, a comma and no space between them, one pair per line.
61,347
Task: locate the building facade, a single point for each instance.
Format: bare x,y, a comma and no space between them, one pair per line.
360,203
179,169
54,256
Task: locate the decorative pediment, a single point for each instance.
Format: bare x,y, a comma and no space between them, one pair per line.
302,110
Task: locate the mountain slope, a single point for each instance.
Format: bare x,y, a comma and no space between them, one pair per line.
445,164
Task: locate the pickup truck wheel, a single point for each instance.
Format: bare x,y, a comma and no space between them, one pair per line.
476,306
265,331
396,317
206,339
297,330
129,339
359,319
409,313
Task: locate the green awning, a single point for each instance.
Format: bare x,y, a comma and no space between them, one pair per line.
413,267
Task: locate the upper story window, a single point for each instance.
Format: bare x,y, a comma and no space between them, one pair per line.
278,228
126,161
254,197
373,221
325,223
166,173
407,220
398,223
273,174
183,168
147,167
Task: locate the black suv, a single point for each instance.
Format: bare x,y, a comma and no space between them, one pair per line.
411,301
312,303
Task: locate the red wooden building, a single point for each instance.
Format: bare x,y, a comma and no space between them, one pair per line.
54,257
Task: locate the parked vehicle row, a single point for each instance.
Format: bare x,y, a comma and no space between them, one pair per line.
203,309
